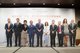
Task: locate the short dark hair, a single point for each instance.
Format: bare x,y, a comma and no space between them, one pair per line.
46,24
25,21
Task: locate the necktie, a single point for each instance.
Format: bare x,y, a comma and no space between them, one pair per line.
39,24
72,25
59,28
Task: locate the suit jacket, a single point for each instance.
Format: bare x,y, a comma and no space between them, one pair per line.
10,28
17,28
31,30
74,28
62,30
38,27
53,29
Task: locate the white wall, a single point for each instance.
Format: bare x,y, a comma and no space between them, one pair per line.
45,14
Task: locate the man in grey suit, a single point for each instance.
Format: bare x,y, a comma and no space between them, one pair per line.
17,31
60,33
39,32
9,32
72,31
53,29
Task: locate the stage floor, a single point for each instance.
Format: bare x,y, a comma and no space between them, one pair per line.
39,50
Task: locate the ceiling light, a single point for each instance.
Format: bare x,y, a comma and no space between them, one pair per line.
43,3
58,3
29,3
72,4
14,3
0,3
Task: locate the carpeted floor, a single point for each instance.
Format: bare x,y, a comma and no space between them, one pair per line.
39,50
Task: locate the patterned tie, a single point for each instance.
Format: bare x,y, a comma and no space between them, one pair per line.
39,25
59,28
72,25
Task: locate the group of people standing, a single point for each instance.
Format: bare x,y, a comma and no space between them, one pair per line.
63,31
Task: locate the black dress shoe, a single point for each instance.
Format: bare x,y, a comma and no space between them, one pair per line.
37,46
7,46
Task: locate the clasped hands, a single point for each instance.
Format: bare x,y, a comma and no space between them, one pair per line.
39,30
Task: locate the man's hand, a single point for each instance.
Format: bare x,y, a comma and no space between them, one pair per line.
8,30
39,30
72,31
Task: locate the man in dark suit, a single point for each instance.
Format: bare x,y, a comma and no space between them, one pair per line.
9,31
17,30
53,29
31,32
72,31
60,34
39,32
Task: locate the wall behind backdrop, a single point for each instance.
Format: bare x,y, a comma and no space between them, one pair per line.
45,14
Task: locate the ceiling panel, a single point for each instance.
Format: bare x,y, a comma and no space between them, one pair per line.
39,2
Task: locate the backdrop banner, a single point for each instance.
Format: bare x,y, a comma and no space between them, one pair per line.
45,14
